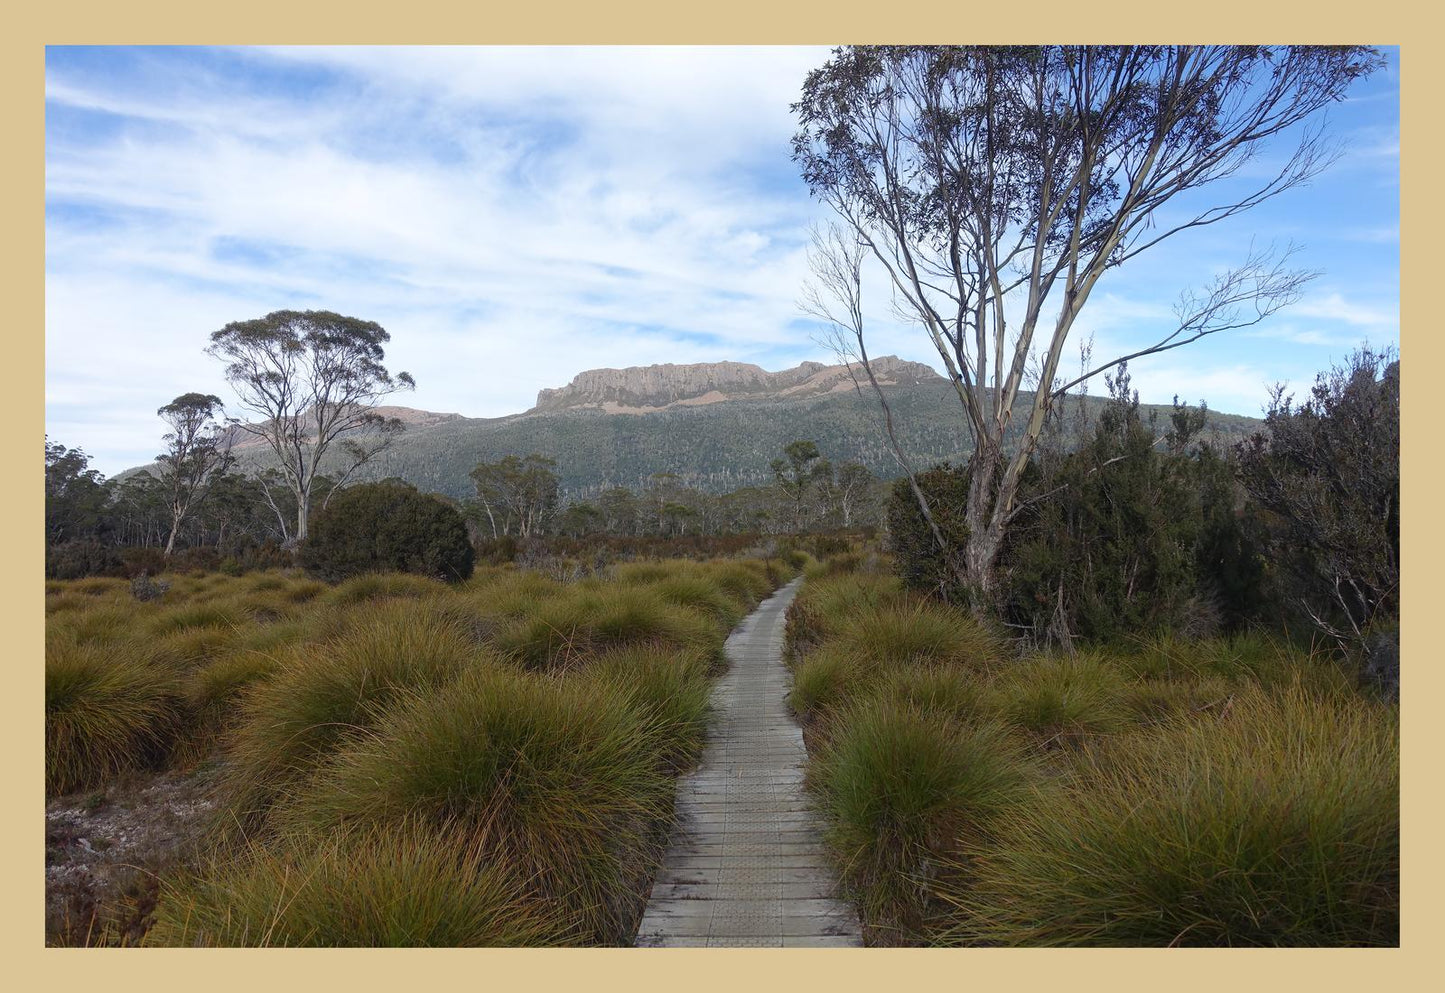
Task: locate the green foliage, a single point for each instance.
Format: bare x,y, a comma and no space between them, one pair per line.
1329,472
74,497
382,527
1123,537
921,563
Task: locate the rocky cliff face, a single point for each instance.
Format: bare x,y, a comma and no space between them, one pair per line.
657,387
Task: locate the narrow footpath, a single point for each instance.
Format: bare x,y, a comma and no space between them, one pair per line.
746,866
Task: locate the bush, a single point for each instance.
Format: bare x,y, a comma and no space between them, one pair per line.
1275,823
1329,470
377,527
916,555
388,887
1121,538
81,558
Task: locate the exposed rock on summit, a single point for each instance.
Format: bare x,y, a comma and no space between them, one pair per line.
641,389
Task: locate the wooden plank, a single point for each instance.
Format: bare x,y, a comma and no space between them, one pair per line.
746,865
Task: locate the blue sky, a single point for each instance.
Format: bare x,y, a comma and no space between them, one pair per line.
516,215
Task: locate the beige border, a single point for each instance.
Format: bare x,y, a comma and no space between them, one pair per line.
89,22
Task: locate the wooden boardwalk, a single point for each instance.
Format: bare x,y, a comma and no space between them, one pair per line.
746,866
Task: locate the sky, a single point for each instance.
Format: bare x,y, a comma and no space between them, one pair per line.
514,216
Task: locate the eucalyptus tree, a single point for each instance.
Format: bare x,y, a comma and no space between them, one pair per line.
315,379
198,451
995,186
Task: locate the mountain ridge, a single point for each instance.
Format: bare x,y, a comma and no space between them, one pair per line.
619,427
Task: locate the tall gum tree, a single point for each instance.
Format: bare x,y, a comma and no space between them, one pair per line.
980,177
198,451
314,378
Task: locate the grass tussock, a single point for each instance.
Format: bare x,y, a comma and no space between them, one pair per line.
1228,791
321,695
1276,823
902,790
563,632
108,710
384,887
400,761
670,690
559,780
1062,699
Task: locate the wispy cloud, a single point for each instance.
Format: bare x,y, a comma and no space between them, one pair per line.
511,215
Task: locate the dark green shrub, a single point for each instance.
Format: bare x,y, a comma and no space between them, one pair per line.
1329,473
81,558
381,527
1126,536
916,554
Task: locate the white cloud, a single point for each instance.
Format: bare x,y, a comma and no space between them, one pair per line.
512,215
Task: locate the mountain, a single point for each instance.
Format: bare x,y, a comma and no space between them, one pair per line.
652,388
716,426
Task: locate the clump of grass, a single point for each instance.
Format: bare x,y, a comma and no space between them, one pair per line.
265,582
1163,700
825,678
698,593
320,695
946,693
385,887
193,615
1062,699
1274,824
98,586
305,590
384,585
823,608
746,582
902,790
557,780
643,573
100,625
189,647
1249,658
567,630
919,632
670,688
107,710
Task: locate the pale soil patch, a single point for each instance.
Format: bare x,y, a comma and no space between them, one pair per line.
106,849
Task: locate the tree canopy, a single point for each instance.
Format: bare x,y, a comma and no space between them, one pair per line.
314,378
996,185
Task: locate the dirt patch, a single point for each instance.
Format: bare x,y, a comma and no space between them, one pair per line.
106,850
